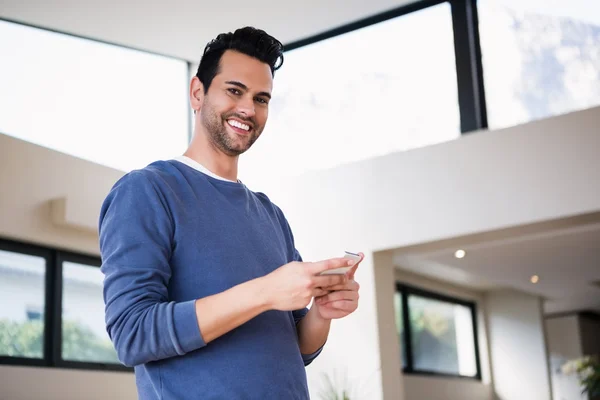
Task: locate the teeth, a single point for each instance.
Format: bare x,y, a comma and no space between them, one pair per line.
238,124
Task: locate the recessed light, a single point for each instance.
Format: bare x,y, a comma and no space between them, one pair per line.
460,254
535,279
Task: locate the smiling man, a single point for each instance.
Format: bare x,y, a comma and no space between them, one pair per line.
205,292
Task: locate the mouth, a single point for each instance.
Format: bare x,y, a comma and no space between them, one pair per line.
239,127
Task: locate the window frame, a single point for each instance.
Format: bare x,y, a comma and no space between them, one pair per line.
92,262
25,249
52,354
405,290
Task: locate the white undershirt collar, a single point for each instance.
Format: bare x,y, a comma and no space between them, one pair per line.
199,167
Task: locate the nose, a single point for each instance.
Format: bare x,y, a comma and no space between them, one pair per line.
246,107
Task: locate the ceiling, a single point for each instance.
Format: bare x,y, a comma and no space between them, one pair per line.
180,28
566,259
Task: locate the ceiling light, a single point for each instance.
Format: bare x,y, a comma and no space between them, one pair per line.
460,254
535,279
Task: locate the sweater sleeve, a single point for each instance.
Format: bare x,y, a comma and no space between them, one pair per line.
136,232
307,358
301,313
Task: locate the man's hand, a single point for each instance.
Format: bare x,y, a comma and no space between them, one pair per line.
342,299
292,286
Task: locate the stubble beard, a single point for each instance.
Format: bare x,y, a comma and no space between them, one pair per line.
221,138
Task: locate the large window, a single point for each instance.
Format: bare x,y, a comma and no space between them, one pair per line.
52,309
114,106
403,79
540,58
366,93
437,334
423,73
83,330
22,304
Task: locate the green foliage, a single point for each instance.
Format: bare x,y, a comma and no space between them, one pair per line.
22,339
79,343
588,372
338,385
335,388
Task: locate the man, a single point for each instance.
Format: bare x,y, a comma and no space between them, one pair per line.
205,292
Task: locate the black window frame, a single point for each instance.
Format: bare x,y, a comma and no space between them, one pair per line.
405,290
52,353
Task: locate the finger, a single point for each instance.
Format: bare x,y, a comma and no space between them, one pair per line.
338,296
343,305
319,292
350,285
355,266
321,266
325,281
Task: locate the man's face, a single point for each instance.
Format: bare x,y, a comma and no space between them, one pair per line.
235,108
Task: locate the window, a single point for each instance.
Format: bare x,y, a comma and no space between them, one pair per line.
22,300
114,106
45,321
540,58
399,306
83,330
436,333
362,94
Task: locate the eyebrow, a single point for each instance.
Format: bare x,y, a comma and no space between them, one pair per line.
242,86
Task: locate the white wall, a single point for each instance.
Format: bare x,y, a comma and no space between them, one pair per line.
517,346
569,337
385,281
564,336
31,177
437,388
564,343
422,387
26,383
482,182
543,170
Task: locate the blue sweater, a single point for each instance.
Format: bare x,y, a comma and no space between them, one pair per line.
170,234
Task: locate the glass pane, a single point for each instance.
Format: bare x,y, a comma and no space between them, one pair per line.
381,89
540,58
84,336
442,337
400,326
22,301
107,104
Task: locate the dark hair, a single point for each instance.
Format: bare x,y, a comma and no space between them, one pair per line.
250,41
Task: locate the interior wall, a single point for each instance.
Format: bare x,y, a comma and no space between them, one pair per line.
480,182
433,388
518,348
564,343
32,177
29,383
393,382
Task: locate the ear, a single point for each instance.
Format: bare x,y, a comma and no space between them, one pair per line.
196,94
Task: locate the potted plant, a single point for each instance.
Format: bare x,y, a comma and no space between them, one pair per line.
587,370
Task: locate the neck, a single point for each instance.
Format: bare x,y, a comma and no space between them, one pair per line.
204,152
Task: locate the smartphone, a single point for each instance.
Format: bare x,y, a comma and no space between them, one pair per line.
340,271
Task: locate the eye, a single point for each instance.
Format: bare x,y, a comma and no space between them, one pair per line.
234,91
262,100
